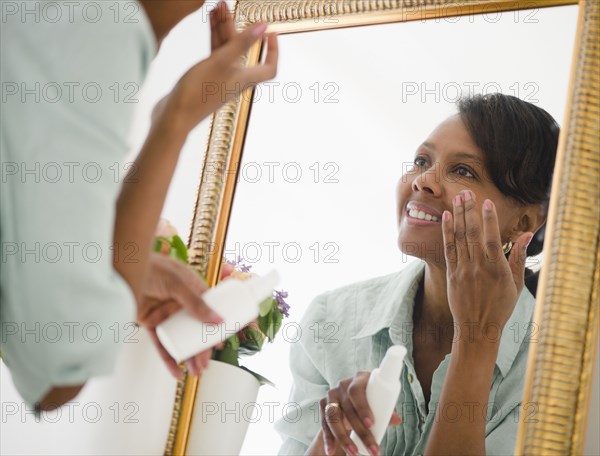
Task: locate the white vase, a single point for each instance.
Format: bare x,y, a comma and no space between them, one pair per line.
225,406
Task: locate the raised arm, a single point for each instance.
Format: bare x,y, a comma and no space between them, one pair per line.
483,287
144,190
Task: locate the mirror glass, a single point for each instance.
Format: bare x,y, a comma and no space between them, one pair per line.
330,137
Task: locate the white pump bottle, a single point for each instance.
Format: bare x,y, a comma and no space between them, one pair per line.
236,301
382,393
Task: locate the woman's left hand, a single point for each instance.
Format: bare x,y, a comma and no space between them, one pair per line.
172,285
483,286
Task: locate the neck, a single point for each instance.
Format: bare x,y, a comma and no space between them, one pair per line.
432,311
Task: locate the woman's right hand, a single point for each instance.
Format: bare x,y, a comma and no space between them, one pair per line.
220,78
352,412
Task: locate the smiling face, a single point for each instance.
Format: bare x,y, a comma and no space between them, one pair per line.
447,162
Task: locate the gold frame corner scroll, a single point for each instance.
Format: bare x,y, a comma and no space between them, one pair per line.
561,361
567,307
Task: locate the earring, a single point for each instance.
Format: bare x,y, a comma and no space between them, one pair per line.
506,248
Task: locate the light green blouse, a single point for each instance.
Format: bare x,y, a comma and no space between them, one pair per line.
349,330
71,74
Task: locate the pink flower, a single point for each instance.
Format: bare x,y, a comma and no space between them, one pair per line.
165,229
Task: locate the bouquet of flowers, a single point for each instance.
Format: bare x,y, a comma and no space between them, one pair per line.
250,339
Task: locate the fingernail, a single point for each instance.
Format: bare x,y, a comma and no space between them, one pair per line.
487,205
373,450
353,450
368,423
457,200
176,373
468,196
259,29
213,317
446,216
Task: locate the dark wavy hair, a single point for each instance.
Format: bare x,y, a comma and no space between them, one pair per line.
519,142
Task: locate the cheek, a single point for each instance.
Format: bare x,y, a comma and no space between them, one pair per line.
403,190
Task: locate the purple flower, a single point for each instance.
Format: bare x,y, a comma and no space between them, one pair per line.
282,306
279,296
239,264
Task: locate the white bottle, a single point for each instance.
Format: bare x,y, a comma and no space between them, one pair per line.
383,390
236,301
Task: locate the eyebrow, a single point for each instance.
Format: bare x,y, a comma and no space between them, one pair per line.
464,155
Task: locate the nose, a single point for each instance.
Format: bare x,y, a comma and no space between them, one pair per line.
428,181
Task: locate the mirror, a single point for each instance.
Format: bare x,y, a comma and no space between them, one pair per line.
328,140
330,137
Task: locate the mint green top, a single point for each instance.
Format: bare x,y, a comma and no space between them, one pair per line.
71,72
356,325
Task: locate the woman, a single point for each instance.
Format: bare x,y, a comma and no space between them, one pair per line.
115,215
468,209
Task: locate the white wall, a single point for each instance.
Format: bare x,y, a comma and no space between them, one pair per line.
355,118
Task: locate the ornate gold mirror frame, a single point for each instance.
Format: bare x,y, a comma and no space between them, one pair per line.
559,374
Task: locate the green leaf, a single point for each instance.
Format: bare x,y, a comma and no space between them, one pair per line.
248,351
262,380
255,336
270,323
253,342
178,245
158,242
227,355
264,322
266,306
277,320
233,342
230,352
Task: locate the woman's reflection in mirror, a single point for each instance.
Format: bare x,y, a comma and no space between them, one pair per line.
468,208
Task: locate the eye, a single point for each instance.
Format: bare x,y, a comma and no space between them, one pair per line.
420,161
465,172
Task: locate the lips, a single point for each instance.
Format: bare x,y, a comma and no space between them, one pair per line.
421,211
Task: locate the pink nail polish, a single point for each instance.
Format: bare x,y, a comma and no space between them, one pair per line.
487,205
446,216
468,196
214,317
457,200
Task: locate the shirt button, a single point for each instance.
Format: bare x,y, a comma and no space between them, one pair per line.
410,378
422,418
